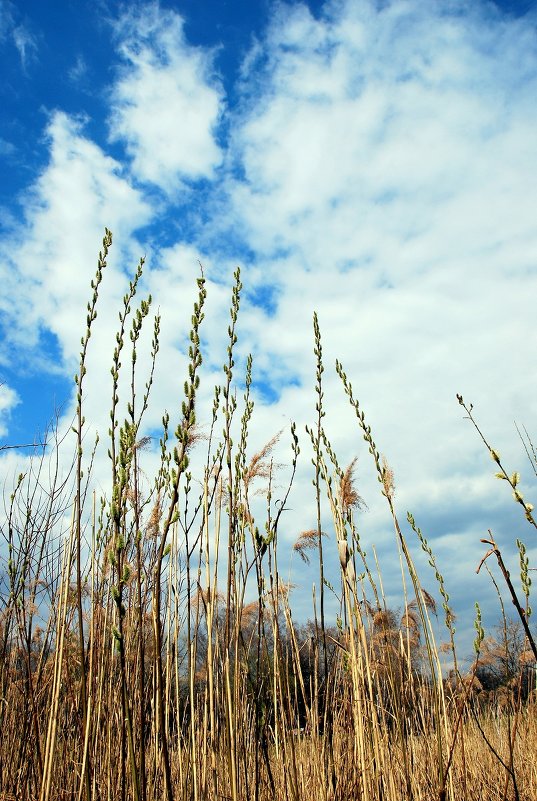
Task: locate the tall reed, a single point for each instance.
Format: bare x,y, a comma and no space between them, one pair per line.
148,647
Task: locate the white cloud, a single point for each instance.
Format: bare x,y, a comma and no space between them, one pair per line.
166,104
345,124
50,259
8,400
389,157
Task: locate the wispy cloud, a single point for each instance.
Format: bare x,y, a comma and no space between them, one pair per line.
18,33
166,103
79,70
26,44
6,148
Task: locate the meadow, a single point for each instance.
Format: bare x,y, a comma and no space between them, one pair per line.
147,643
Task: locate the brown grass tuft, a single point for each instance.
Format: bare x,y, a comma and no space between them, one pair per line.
260,465
307,541
348,494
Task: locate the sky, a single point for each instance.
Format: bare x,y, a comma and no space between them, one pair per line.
375,162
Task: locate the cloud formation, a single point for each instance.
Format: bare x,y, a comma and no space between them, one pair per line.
50,259
167,102
389,181
8,400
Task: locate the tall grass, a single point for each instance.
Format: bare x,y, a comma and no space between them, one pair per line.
134,663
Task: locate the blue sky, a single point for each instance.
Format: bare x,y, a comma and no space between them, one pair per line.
373,161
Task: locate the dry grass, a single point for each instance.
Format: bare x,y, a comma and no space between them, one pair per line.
148,649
